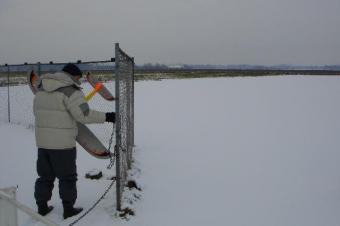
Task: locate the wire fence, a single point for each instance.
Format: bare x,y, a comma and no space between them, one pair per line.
125,119
16,102
17,99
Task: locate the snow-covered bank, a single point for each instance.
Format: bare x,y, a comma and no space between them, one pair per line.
227,151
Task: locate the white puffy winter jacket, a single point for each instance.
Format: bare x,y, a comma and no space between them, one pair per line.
57,106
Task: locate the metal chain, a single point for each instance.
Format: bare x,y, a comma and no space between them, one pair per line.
95,204
112,161
112,156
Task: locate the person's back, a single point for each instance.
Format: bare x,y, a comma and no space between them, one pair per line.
58,106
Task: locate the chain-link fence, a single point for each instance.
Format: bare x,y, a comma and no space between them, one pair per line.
125,118
16,102
17,99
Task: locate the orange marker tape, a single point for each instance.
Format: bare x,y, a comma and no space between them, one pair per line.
96,89
34,78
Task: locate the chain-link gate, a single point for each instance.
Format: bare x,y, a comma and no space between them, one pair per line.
16,102
124,119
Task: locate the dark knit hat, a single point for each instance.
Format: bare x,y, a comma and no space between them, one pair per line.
72,69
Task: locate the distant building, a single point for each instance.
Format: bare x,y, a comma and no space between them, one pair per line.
176,66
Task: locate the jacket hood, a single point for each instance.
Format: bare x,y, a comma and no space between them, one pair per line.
52,82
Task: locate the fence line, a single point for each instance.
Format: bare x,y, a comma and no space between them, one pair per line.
8,96
120,69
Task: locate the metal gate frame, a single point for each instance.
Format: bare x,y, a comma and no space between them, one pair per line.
124,119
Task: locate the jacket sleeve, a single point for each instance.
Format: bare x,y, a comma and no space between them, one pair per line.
80,110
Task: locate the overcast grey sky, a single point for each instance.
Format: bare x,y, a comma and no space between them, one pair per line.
264,32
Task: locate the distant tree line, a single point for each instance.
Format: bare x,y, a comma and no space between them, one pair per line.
158,66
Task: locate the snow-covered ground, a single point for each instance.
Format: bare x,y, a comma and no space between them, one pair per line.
225,151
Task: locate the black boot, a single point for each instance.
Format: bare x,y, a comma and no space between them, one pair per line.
69,212
43,209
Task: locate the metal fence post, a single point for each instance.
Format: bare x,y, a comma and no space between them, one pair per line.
39,69
133,104
8,98
124,119
118,135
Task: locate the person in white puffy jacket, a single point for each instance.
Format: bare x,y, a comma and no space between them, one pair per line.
58,105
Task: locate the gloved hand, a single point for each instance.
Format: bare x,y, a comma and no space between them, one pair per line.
111,117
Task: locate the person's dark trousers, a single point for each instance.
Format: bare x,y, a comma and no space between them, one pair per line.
61,164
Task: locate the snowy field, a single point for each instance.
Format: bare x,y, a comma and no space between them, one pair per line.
226,151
